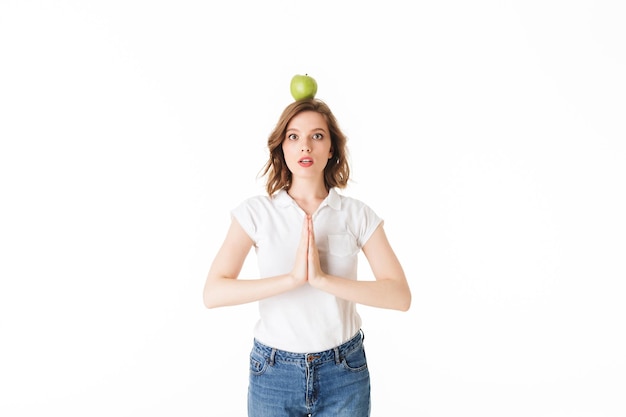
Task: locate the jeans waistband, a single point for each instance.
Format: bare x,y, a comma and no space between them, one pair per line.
335,353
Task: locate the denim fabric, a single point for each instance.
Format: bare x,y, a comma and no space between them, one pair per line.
333,383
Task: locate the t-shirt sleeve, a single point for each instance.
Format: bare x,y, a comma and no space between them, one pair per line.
369,222
244,214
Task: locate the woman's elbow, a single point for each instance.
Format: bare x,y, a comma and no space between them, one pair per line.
404,302
208,302
210,298
405,305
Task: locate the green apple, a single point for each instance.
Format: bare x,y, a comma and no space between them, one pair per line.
303,87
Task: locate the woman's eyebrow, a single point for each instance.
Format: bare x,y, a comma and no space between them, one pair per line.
312,130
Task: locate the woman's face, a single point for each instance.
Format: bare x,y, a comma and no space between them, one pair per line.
307,144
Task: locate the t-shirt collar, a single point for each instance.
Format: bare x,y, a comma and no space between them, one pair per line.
333,200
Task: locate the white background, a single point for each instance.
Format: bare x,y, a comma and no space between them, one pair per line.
489,135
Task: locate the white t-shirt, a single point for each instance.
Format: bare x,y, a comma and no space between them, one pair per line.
306,320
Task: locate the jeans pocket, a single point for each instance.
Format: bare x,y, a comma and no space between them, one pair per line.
355,360
258,363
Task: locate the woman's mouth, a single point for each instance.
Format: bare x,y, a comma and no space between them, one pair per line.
305,162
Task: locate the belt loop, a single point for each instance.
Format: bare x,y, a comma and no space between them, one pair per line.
337,357
272,357
362,335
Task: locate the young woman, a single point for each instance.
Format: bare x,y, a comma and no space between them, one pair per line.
307,356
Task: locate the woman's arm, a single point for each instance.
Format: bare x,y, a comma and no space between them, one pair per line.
389,290
222,288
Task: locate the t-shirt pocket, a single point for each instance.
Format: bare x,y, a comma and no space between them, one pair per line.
342,245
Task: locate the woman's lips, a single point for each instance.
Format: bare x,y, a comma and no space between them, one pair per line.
305,162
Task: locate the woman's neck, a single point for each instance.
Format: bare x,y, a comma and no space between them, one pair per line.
308,197
305,190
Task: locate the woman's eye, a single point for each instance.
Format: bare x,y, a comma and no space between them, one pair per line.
318,136
292,136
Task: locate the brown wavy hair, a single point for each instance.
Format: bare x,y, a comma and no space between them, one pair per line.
337,170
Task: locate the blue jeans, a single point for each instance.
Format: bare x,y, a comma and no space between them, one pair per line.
333,383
